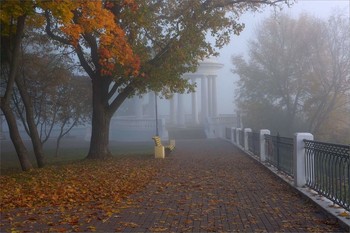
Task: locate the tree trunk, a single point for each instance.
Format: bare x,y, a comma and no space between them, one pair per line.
100,121
16,139
34,135
12,48
58,145
99,136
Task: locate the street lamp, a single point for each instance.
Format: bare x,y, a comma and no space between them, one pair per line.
156,107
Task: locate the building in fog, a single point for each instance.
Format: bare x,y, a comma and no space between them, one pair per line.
197,111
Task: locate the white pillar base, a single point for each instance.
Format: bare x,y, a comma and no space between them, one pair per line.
246,131
299,158
263,143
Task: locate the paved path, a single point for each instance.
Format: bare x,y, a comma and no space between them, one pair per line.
209,186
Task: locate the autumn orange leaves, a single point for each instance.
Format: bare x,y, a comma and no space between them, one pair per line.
76,184
77,20
71,197
83,19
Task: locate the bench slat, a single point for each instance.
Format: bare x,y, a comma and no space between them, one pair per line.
158,142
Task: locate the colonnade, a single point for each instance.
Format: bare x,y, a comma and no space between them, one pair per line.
208,102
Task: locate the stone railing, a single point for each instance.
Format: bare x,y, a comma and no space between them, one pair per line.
136,123
215,126
136,129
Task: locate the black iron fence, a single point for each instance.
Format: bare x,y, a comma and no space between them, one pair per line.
279,153
328,170
254,143
234,135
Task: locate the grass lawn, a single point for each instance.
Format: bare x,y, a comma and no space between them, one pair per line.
9,161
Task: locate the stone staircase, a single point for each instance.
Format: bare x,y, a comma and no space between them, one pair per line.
186,133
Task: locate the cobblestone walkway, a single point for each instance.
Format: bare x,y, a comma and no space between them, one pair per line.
209,186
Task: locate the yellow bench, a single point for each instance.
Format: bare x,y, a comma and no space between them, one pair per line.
159,149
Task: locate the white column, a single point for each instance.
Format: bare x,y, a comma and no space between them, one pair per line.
204,99
263,143
173,109
194,105
180,110
210,96
246,131
214,98
299,158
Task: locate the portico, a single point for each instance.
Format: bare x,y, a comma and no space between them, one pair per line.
205,78
194,111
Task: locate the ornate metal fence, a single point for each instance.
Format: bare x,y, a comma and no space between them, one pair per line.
254,143
279,153
234,135
328,170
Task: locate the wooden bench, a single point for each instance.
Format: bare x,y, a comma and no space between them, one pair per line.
158,142
159,147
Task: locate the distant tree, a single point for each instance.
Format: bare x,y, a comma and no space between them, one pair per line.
329,89
298,70
74,106
58,98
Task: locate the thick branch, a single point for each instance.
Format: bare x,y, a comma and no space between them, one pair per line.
120,98
83,62
51,34
93,48
114,88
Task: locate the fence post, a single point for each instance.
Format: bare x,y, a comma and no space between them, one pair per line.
237,136
299,158
278,139
246,131
263,143
232,135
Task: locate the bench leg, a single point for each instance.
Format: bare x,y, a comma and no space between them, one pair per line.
159,152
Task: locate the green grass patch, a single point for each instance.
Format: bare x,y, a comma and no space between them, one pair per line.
9,162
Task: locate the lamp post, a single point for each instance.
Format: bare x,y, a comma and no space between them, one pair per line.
156,107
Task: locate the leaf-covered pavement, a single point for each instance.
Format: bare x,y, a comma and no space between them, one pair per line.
204,186
69,197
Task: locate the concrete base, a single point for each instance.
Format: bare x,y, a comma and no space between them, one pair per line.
159,152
